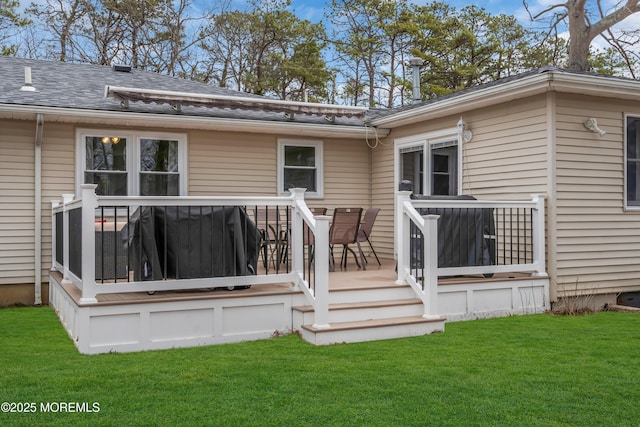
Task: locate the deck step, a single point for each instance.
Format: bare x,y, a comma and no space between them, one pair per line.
364,304
372,330
364,310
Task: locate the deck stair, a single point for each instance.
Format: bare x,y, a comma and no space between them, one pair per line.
358,314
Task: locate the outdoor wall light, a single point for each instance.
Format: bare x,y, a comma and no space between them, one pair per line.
465,133
592,125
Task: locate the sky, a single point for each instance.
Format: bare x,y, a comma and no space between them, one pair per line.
313,10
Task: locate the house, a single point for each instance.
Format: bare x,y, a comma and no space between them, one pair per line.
566,137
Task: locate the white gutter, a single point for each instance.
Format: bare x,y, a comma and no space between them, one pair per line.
38,210
549,81
122,118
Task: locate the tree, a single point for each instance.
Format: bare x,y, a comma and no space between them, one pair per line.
369,40
585,24
62,19
469,47
9,20
266,50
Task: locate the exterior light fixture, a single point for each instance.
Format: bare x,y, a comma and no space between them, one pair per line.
592,125
464,133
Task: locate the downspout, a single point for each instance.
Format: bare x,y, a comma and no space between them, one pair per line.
38,210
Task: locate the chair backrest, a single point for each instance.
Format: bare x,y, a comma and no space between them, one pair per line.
367,223
269,221
345,225
307,236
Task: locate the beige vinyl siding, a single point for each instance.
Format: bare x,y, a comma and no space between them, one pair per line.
347,179
17,243
58,177
383,194
225,163
598,243
507,157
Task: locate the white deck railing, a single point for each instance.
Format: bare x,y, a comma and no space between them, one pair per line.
438,238
77,221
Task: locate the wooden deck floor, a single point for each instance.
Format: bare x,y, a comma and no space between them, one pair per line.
350,278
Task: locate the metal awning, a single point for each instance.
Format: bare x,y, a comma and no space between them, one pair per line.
179,99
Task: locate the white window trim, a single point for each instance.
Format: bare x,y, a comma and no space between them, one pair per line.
627,207
427,140
319,193
133,155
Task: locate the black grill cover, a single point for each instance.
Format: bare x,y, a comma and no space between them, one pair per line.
464,235
189,242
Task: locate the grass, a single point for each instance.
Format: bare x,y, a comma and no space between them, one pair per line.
537,370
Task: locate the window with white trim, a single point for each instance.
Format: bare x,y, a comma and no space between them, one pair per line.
300,166
632,162
431,164
132,163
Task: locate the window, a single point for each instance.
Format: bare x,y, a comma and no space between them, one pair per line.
438,156
300,166
106,164
132,164
159,172
632,162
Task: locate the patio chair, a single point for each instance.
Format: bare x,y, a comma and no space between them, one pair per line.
308,237
269,225
365,229
344,231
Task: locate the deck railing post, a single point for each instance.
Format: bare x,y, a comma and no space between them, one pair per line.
66,199
402,235
297,245
321,318
430,251
54,205
89,205
539,236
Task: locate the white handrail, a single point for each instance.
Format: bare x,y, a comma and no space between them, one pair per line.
407,213
89,202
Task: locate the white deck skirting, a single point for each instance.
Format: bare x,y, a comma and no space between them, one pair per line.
171,323
137,322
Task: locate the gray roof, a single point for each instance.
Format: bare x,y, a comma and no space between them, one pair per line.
82,86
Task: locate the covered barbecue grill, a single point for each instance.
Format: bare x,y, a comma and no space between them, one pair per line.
466,237
188,242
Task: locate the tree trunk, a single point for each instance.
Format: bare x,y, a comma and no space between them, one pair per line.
579,36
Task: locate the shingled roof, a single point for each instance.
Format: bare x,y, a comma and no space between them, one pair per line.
85,87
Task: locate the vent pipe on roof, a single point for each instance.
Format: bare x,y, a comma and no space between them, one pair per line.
416,63
27,87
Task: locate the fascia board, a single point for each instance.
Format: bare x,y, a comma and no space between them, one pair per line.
561,82
470,101
81,116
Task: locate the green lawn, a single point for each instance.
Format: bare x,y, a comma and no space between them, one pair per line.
516,371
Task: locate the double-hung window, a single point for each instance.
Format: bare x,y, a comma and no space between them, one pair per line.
431,163
632,162
300,166
132,163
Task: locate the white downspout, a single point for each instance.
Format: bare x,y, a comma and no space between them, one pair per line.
38,210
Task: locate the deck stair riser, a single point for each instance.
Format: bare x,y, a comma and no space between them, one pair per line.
350,332
350,312
379,293
367,314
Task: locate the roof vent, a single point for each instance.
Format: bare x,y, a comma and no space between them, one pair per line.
121,68
27,87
